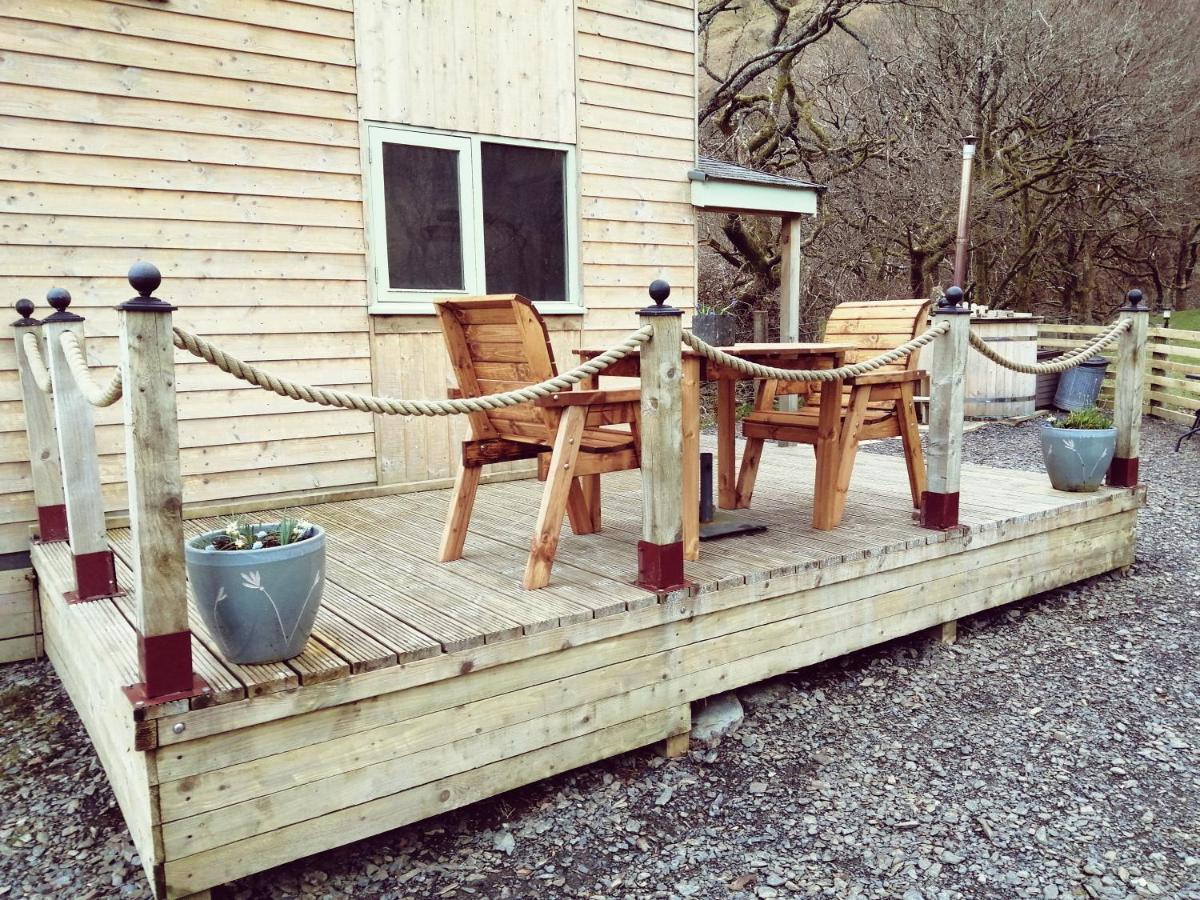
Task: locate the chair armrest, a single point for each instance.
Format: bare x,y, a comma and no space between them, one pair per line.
887,377
590,398
453,393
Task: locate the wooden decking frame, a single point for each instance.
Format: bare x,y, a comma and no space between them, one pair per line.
281,762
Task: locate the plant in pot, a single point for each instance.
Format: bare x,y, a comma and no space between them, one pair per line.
715,325
1078,449
258,586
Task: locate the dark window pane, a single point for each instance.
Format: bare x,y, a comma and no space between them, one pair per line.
424,223
524,236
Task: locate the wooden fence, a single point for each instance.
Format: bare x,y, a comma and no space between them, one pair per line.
1171,356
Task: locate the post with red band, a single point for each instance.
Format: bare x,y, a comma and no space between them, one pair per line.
155,495
95,575
1131,380
947,373
39,426
660,551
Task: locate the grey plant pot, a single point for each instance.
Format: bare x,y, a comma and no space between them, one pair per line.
260,605
1077,459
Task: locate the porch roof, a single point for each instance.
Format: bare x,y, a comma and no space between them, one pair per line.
723,186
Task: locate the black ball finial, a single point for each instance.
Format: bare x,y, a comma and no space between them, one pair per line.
24,308
144,278
59,298
952,299
659,291
1133,300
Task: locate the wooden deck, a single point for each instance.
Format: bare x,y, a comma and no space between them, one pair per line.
429,686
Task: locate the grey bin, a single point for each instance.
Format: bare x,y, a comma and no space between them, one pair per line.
1079,388
260,605
715,329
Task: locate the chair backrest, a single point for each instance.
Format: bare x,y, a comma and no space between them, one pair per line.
874,327
498,343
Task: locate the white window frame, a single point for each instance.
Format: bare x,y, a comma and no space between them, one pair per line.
386,300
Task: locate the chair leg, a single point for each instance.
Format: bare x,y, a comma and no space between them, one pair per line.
914,456
860,398
579,505
554,498
459,518
748,472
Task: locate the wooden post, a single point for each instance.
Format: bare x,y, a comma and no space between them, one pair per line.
760,326
791,268
1127,400
95,575
39,428
943,456
660,552
155,495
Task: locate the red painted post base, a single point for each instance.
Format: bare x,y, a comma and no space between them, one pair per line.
52,523
165,664
939,511
660,566
1123,472
95,577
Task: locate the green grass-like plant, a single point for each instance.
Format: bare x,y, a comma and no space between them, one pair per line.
1089,419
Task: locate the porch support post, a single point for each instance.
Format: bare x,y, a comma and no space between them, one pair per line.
791,268
39,429
155,494
1131,380
660,552
943,456
95,575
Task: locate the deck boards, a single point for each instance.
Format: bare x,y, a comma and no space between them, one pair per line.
388,602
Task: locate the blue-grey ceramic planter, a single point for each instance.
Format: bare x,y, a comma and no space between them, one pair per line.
260,605
1077,459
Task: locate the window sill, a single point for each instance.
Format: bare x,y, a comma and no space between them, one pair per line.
426,309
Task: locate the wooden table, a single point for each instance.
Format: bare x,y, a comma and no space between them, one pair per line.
697,369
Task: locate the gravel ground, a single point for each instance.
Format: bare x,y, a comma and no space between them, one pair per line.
1053,752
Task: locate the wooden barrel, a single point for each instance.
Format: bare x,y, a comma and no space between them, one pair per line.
992,391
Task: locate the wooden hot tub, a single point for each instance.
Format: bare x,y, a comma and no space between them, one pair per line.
992,391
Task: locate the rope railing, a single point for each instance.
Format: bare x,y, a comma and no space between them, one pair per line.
1060,363
848,371
95,393
37,365
390,406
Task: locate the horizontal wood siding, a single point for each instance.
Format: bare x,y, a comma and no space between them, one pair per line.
219,140
636,72
479,66
20,625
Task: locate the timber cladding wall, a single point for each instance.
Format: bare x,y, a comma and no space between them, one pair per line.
219,140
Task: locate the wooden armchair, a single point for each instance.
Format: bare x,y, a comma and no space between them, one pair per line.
499,343
876,405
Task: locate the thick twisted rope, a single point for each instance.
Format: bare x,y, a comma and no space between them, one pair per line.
389,406
37,365
1060,363
755,370
95,394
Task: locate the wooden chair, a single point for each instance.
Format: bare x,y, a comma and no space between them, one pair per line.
876,405
499,343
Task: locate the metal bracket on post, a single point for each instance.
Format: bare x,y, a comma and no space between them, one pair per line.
660,552
943,458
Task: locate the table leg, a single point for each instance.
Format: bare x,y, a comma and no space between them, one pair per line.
591,483
826,515
726,443
690,489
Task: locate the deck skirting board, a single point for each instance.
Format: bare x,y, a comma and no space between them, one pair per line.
264,830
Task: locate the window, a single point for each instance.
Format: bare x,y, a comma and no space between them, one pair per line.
463,214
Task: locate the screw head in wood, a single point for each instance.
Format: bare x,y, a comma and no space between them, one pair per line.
179,728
